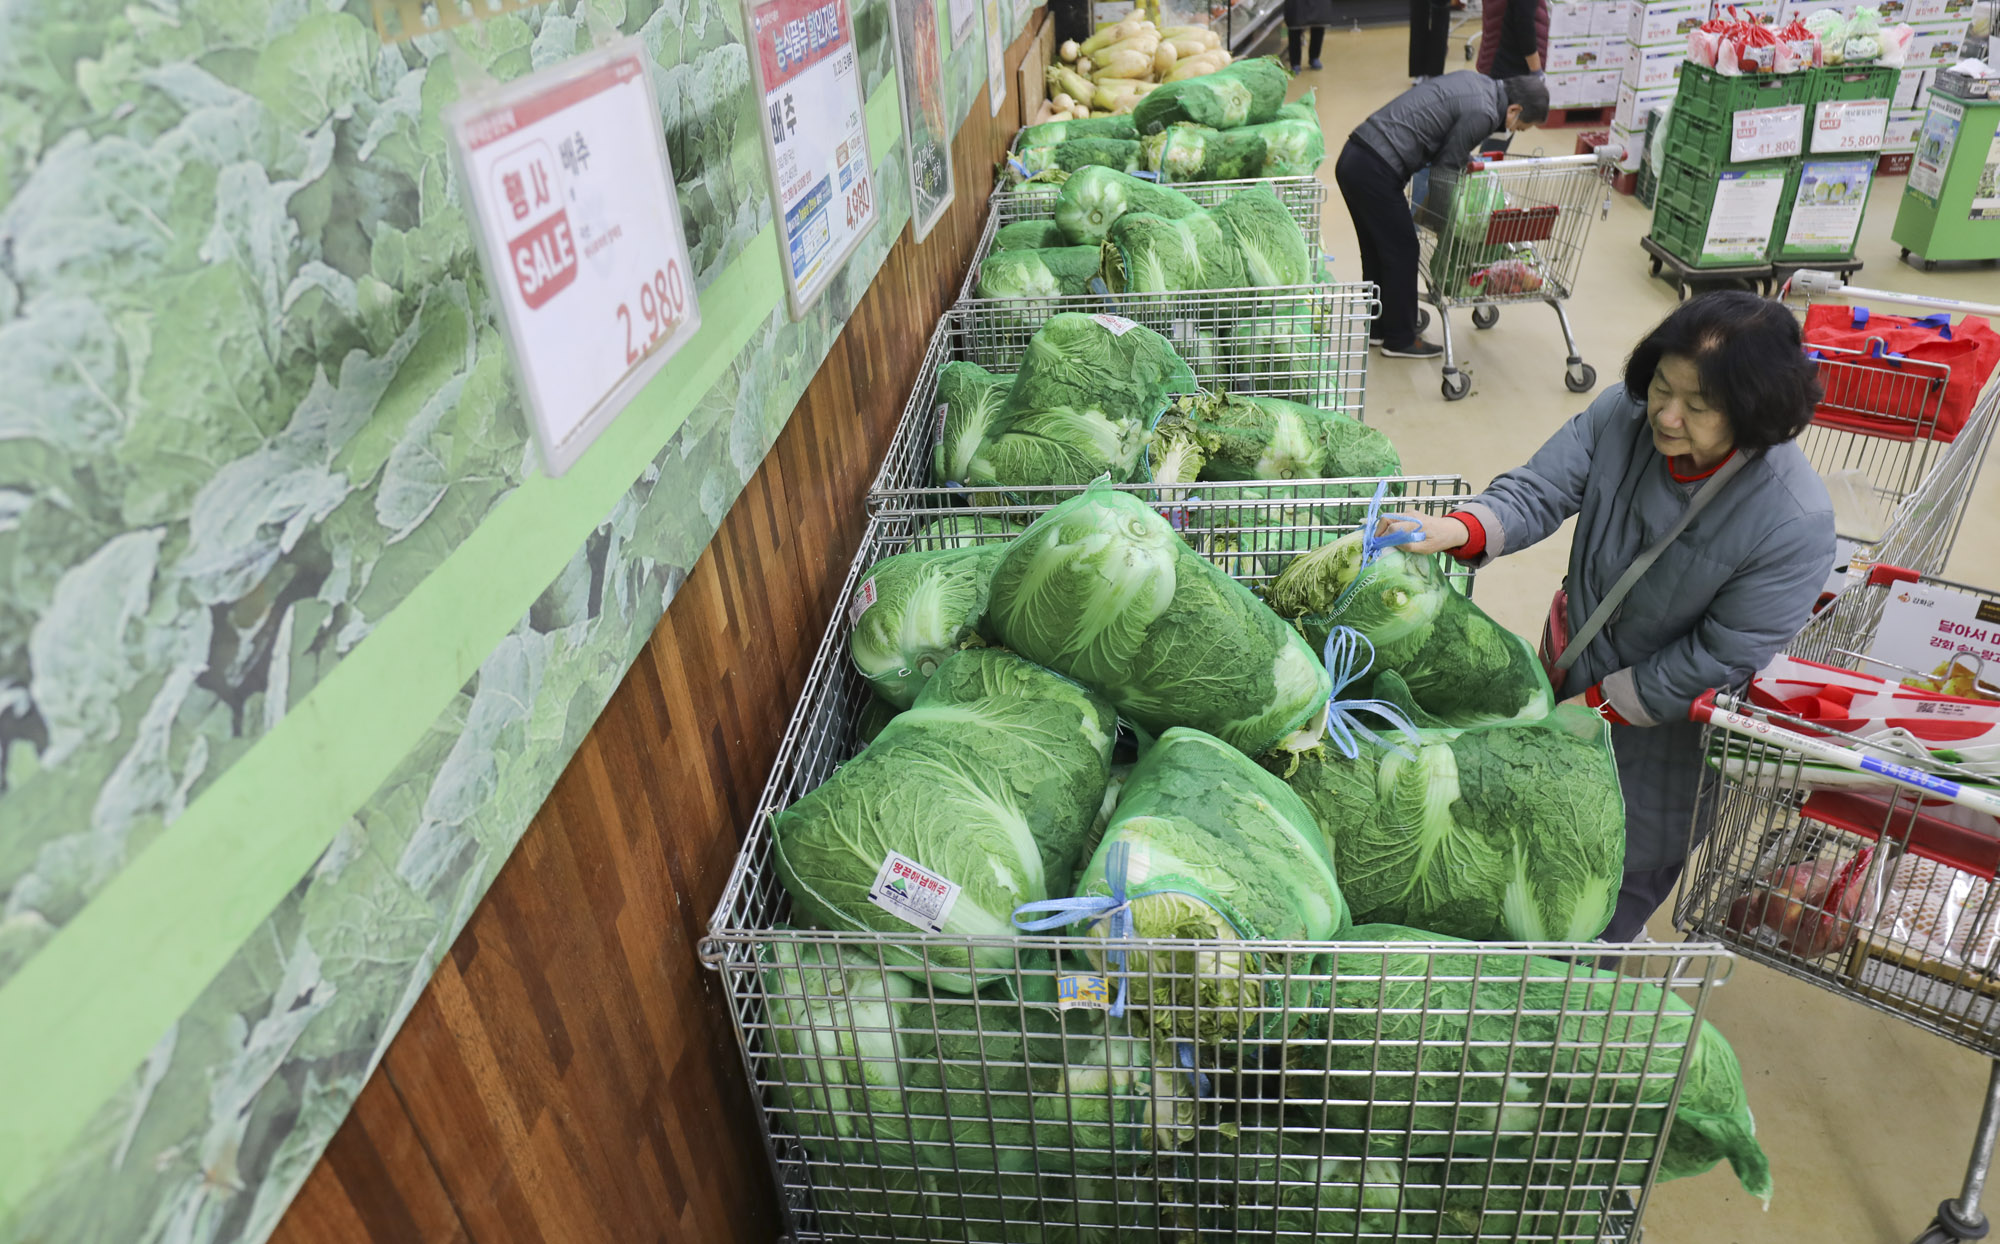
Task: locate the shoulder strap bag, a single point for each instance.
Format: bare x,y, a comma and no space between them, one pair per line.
1560,650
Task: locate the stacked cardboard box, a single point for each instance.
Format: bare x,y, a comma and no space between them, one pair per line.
1586,52
1655,46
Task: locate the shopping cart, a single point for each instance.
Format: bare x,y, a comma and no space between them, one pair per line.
1883,424
1858,857
1526,247
1307,344
1102,1131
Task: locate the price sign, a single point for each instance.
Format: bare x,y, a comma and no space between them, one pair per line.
1768,133
1925,628
580,229
1849,125
996,51
816,135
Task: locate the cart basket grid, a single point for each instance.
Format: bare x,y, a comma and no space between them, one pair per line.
1307,344
1446,1092
1303,197
1540,217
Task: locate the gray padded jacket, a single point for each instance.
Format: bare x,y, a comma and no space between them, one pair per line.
1715,608
1440,123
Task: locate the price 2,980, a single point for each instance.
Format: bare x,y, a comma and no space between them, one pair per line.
662,305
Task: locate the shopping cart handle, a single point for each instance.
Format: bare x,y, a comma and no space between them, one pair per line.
1881,574
1703,708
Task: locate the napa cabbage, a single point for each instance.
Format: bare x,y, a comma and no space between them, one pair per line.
1093,198
1102,589
1053,272
1462,667
917,609
1197,153
974,405
1243,437
1443,1050
1245,92
1512,831
992,780
1249,240
1208,847
1028,235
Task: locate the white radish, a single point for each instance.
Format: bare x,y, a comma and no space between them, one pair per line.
1069,51
1163,60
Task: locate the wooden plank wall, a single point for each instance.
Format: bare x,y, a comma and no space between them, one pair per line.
570,1076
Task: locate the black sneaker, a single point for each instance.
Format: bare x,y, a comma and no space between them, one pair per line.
1418,349
1316,64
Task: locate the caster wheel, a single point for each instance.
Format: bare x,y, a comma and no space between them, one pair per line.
1423,319
1930,265
1455,386
1580,378
1485,317
1906,254
1656,267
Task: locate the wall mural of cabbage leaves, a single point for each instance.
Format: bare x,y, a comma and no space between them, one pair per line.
253,393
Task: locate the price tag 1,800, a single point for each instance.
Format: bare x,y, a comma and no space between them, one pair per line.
580,229
1768,133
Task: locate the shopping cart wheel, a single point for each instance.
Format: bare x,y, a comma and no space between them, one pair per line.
1579,377
1456,385
1485,317
1423,319
1950,1227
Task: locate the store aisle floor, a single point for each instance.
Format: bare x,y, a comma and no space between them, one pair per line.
1867,1120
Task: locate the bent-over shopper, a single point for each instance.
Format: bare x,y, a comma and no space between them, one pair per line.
1437,125
1702,429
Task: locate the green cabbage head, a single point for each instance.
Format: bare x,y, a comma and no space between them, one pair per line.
1102,589
991,780
927,605
1216,850
1462,667
1508,832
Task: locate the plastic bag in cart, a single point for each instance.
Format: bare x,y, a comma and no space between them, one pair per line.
1509,276
1810,909
1941,913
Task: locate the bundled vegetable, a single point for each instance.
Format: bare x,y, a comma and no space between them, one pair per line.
1042,273
1072,154
1249,240
1282,354
1462,668
1102,589
974,402
1294,143
1051,133
1507,832
1241,437
918,609
990,782
1435,1053
1248,92
1208,847
1094,198
1197,153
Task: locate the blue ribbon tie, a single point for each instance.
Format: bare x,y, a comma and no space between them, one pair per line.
1020,169
1347,661
1092,907
1373,545
1199,1079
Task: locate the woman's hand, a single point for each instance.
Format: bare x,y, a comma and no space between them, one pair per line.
1575,701
1441,534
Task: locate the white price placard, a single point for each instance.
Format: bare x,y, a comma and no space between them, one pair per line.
1924,627
1849,125
580,230
1767,133
996,54
816,135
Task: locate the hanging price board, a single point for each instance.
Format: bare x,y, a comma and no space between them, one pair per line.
816,135
580,230
996,51
1767,133
1849,125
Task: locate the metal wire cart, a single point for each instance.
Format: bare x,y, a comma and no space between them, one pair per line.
1461,1091
1308,344
1854,842
1513,232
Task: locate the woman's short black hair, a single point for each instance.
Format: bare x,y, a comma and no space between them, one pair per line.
1751,360
1532,93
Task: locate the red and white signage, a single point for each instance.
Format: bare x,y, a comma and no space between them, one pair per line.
580,227
1849,125
816,134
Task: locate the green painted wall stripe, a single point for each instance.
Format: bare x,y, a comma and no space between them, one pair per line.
82,1013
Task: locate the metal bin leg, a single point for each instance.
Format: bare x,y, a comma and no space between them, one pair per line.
1962,1219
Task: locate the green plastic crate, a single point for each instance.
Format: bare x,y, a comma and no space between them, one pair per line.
1850,82
1696,143
1855,175
1683,206
1649,181
1714,98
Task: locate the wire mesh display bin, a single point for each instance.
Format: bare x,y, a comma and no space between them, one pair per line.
1303,197
1862,864
1457,1091
1308,344
1882,421
1514,232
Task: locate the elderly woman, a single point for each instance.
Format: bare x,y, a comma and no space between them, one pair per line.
1703,425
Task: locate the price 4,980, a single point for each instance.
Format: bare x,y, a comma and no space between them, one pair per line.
662,305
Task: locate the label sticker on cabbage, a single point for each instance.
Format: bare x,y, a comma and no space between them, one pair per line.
943,413
864,596
912,893
1118,324
1082,992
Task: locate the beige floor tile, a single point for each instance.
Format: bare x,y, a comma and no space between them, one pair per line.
1867,1121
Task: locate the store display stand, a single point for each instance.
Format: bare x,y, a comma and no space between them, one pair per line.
1951,206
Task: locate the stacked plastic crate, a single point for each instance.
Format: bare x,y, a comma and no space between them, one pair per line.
1847,110
1655,47
1731,145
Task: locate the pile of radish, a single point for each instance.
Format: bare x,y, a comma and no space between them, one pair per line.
1111,71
